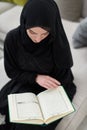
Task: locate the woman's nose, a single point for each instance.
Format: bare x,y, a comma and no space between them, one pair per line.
38,39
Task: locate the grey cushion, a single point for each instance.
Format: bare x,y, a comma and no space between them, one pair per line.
4,6
1,53
84,10
70,9
8,20
80,35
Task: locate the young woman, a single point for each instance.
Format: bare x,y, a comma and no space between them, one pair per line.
37,57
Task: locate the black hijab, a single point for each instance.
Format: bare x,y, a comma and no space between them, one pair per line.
45,13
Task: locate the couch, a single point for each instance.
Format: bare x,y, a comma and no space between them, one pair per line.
9,19
8,13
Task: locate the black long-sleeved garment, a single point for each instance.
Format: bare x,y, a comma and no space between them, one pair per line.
23,70
23,66
23,73
23,59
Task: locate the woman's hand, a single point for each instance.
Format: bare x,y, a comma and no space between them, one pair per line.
47,81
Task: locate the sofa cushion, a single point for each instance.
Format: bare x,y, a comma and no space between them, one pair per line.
3,77
84,10
2,37
18,2
1,53
70,9
4,6
72,121
6,24
80,35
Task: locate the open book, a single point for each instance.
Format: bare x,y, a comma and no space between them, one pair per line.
43,108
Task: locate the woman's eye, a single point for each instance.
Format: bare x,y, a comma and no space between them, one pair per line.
31,32
45,34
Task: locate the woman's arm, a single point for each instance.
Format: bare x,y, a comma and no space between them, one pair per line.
65,76
10,62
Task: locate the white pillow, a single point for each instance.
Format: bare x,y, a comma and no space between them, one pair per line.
5,6
3,77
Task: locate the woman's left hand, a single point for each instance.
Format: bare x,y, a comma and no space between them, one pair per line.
47,81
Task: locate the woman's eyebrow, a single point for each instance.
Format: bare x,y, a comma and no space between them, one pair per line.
37,33
32,31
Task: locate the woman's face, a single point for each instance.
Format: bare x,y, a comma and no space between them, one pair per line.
37,34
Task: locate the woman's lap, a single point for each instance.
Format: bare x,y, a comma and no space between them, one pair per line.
51,126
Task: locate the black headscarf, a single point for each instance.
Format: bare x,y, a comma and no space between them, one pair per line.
45,13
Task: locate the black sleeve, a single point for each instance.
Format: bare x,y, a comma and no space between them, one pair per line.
68,83
12,69
66,78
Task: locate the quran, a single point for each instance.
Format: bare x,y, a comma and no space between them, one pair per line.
44,108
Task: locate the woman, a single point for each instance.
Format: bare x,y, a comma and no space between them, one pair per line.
37,57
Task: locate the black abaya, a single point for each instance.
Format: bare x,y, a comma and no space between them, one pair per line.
24,59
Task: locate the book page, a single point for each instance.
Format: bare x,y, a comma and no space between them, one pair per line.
25,106
54,102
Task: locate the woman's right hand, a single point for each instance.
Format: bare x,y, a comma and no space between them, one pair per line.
47,81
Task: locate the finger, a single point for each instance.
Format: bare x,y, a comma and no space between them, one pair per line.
52,84
55,81
46,86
